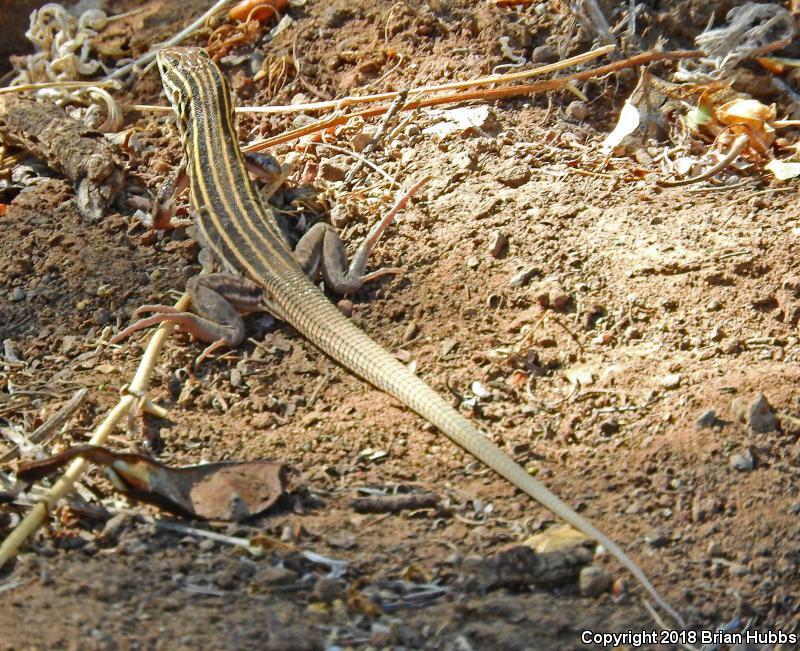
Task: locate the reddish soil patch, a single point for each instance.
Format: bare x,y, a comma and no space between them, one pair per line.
663,303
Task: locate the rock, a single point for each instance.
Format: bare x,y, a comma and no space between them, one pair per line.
577,110
17,295
671,381
463,160
544,54
472,262
761,416
657,538
704,506
743,461
737,569
331,172
359,141
68,343
593,581
342,214
522,277
731,346
345,306
499,245
513,175
632,333
276,576
610,426
550,294
101,316
336,16
708,419
715,550
236,378
327,589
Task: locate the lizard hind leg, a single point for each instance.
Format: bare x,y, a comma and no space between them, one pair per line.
218,300
321,248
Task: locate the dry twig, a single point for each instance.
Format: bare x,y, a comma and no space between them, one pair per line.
44,433
488,94
35,517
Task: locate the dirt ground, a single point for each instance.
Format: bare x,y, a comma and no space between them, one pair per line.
643,308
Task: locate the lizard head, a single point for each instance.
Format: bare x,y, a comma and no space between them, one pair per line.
194,85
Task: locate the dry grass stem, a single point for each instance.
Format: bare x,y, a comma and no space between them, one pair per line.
36,516
487,94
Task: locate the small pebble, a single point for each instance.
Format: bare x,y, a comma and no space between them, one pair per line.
633,333
593,581
544,54
463,160
737,569
276,576
327,589
345,307
472,262
708,419
359,141
411,331
101,316
17,295
336,16
671,381
207,545
521,278
610,426
331,172
499,245
760,415
730,346
657,538
743,461
236,377
577,110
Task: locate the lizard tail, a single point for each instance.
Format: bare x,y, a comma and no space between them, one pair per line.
320,322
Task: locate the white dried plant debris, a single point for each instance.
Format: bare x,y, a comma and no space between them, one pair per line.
62,44
517,60
783,170
448,121
639,113
747,31
591,18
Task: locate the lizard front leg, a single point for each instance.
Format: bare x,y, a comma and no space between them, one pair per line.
164,208
218,300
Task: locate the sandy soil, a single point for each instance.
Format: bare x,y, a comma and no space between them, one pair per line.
644,308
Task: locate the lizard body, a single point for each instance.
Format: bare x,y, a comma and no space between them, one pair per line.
244,236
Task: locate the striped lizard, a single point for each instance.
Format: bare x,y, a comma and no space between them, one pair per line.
263,273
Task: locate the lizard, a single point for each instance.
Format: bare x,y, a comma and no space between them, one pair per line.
242,234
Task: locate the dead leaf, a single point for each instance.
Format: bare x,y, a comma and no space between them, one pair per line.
555,538
783,170
215,491
746,111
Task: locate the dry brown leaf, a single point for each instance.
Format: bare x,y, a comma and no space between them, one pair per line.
215,491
